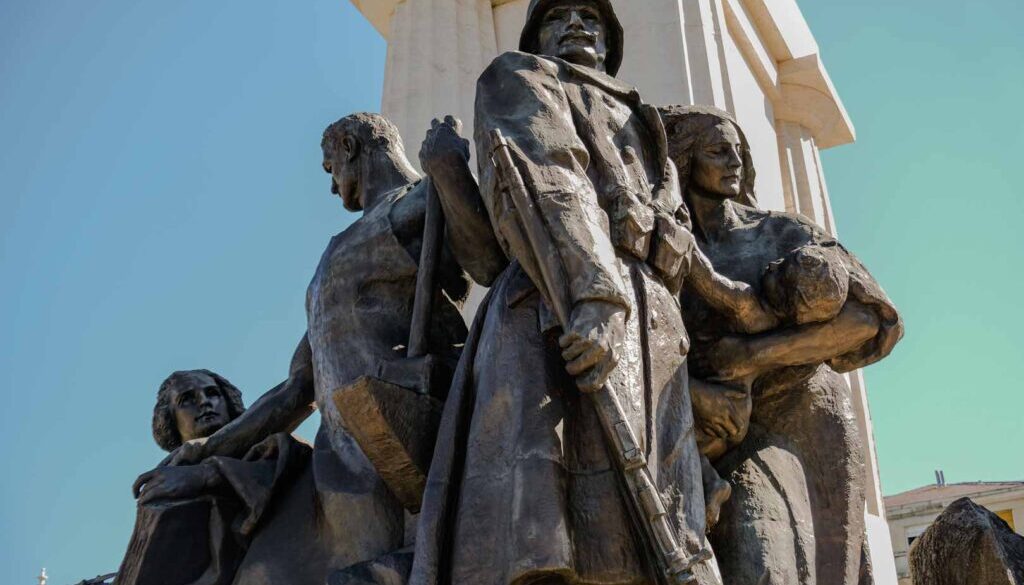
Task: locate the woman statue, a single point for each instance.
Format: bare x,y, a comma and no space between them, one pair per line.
796,467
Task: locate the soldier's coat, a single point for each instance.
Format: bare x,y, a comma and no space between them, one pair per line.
521,484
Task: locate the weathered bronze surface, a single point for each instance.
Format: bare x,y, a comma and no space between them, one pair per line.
339,511
596,231
650,393
792,454
182,529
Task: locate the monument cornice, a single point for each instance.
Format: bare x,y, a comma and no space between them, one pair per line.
809,99
777,43
784,57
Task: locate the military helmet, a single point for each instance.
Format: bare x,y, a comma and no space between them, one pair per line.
530,43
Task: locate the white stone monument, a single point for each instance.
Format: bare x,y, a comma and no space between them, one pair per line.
754,58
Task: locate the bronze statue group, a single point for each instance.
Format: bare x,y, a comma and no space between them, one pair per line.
650,393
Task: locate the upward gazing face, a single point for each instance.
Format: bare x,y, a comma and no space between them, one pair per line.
717,166
574,31
199,407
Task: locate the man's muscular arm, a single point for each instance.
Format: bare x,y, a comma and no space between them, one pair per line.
281,409
444,156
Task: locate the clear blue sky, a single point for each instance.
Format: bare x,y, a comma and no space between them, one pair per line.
162,207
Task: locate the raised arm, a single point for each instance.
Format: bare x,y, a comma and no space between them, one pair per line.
281,409
444,156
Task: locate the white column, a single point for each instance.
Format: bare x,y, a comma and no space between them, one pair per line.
803,179
437,51
674,51
875,498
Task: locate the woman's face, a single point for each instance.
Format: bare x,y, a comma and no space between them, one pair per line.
717,166
199,407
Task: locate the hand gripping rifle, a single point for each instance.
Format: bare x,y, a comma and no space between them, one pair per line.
646,506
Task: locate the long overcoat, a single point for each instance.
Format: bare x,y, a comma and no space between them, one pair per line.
522,486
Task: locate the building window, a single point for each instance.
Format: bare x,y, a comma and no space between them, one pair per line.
913,532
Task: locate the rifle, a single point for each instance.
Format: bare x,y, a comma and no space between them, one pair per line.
430,258
545,270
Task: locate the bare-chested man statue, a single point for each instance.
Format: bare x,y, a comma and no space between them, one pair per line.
359,309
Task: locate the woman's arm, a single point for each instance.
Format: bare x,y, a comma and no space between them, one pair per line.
737,357
177,483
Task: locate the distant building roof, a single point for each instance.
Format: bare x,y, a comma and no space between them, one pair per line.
950,491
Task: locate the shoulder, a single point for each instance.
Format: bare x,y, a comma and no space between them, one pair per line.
412,201
781,223
517,64
515,60
405,215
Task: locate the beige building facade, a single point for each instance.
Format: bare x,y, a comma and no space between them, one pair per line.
911,513
755,58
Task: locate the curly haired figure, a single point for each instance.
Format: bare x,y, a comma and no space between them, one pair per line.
193,404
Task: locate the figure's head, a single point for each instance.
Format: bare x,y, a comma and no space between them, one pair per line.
193,404
809,285
351,141
583,32
710,151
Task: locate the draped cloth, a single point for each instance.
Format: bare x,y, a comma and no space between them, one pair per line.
204,540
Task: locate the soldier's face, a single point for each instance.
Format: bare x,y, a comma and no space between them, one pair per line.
574,31
199,407
718,162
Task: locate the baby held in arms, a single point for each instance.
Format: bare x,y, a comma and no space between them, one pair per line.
808,289
810,285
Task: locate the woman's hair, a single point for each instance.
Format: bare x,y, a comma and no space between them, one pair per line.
165,429
686,125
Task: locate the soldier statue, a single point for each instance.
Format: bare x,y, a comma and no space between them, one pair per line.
567,452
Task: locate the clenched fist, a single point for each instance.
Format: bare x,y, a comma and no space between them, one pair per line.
591,343
443,145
